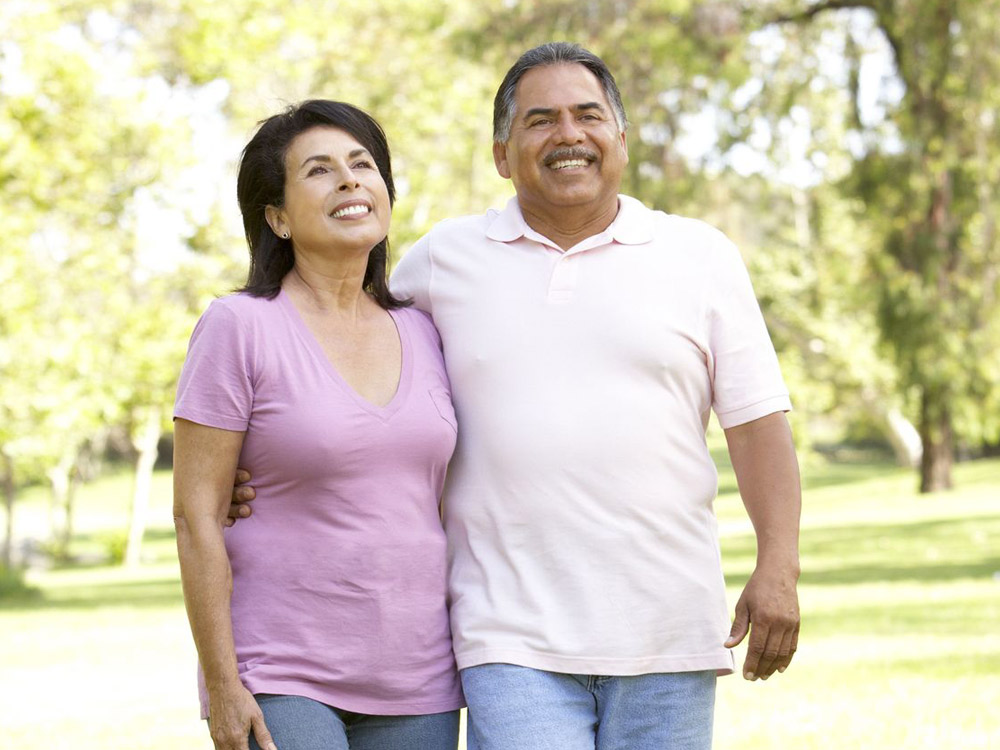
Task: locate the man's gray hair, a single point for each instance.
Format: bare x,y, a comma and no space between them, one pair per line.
552,53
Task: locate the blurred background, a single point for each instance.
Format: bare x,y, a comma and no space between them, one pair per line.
851,149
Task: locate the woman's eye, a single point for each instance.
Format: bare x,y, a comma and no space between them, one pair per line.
362,165
316,170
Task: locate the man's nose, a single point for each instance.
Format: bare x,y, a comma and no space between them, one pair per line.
569,130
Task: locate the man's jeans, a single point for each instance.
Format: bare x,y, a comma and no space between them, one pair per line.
513,707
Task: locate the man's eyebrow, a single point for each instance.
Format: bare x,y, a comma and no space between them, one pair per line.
538,111
325,158
550,111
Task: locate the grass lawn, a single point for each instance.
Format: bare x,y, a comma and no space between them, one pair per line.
899,648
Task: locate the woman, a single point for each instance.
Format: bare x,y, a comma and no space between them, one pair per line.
321,621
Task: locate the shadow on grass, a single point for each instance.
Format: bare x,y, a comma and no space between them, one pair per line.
98,549
959,617
815,475
937,550
98,595
948,667
837,474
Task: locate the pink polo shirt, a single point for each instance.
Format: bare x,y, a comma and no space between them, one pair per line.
578,510
339,576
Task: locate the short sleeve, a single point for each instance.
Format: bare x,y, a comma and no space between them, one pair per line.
412,277
746,377
216,384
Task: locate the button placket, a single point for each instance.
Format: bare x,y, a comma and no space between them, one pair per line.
562,282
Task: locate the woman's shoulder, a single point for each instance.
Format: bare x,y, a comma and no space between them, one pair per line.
419,322
416,318
243,302
238,316
242,306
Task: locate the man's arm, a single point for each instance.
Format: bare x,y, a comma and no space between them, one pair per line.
767,472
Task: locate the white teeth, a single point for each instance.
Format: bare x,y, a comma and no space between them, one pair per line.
350,211
570,163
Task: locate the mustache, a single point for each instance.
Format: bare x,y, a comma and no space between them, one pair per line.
561,154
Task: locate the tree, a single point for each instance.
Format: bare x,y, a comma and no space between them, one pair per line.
98,309
930,195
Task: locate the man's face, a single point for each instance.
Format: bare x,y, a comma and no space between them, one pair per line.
565,150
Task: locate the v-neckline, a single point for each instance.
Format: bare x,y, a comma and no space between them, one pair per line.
313,345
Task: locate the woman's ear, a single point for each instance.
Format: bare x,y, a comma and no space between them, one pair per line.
276,220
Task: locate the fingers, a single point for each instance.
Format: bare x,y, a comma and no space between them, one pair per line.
243,493
770,649
261,734
741,625
788,646
230,740
238,510
756,651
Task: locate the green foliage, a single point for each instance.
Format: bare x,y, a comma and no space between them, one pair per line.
915,165
115,542
757,127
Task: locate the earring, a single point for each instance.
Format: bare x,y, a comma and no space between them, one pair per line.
284,236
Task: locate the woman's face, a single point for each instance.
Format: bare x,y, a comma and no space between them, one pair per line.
335,197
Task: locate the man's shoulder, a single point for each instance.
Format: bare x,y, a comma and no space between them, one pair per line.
688,226
683,239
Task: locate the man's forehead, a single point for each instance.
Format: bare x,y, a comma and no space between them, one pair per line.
559,85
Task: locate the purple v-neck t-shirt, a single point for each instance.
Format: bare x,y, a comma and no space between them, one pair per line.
339,579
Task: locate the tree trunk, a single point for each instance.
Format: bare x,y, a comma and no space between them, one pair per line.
60,511
145,440
7,477
936,435
904,439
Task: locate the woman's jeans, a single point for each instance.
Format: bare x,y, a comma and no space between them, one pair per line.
299,723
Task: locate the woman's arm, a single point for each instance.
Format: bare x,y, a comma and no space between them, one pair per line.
204,463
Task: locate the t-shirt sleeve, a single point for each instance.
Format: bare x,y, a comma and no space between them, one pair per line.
412,276
216,384
746,377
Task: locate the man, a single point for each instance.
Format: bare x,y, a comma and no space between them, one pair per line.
587,338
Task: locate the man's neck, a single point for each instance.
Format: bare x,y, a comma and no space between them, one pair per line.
572,225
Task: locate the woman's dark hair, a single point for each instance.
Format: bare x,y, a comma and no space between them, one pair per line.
261,183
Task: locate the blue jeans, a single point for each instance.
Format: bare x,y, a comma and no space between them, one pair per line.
298,723
528,709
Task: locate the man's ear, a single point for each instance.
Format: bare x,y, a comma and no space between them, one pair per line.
276,220
624,145
500,159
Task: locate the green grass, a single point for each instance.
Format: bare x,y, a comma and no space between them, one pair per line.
900,596
899,648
